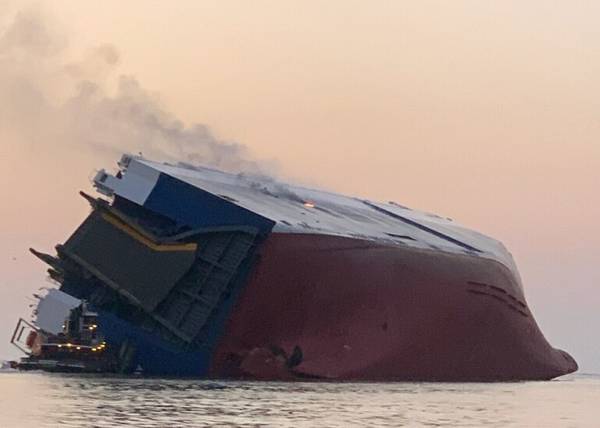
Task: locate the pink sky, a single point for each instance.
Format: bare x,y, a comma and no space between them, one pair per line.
488,113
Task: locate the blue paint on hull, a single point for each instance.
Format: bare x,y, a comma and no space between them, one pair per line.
194,207
154,355
158,357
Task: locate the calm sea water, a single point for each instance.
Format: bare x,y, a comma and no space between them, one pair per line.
52,400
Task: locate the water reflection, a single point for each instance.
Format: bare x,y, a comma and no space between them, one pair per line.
46,400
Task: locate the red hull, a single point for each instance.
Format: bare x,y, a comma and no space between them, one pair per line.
359,310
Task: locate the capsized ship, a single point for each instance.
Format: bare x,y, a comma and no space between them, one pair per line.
190,271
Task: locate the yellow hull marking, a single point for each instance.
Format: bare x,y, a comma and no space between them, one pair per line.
138,236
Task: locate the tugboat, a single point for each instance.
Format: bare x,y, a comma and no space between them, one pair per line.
77,347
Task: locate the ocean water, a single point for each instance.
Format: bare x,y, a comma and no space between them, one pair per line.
54,400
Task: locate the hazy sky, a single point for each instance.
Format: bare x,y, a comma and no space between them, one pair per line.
486,112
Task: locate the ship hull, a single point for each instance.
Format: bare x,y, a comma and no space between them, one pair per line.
231,277
357,310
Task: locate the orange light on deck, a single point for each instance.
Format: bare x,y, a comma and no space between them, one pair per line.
309,205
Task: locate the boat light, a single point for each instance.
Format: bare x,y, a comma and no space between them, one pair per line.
309,205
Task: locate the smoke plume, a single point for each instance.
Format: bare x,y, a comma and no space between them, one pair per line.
51,102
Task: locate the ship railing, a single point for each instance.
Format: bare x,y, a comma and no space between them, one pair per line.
24,335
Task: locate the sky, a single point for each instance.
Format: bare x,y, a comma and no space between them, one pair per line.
485,112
